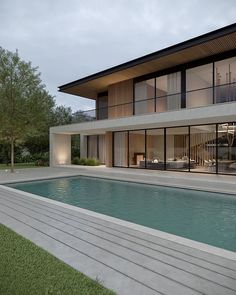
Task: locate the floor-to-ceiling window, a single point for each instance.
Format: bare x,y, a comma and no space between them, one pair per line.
227,148
121,149
199,83
225,80
101,148
204,85
177,148
209,148
92,146
102,107
96,147
144,97
168,92
155,149
203,148
137,148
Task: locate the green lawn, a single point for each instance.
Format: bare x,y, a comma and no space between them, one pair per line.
18,166
26,269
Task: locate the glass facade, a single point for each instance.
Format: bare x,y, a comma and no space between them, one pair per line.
168,92
155,149
189,86
92,149
227,148
121,149
199,83
203,148
96,147
225,80
137,148
102,107
209,148
201,86
144,96
177,148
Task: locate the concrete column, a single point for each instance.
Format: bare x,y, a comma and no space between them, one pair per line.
83,146
60,149
109,149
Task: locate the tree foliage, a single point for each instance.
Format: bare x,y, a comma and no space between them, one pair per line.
25,103
81,116
61,116
27,111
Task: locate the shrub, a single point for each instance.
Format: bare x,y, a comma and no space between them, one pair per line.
85,162
92,162
82,161
42,159
75,161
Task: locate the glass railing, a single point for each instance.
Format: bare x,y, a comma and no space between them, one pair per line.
194,98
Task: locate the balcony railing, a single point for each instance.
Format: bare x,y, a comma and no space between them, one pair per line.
190,99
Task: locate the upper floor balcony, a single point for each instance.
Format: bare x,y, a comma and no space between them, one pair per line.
194,98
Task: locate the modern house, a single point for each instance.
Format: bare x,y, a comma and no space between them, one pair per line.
174,109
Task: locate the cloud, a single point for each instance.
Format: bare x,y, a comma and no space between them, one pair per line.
71,39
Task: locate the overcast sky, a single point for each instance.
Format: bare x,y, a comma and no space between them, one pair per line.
71,39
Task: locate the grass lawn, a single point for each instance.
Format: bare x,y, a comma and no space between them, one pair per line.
18,166
26,269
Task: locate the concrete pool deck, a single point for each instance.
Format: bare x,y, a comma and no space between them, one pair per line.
125,257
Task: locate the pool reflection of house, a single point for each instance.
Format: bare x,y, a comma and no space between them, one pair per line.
174,109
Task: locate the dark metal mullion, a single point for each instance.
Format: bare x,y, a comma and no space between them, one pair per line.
97,147
217,149
164,148
155,93
128,148
183,89
189,142
145,147
97,108
133,98
213,82
113,149
87,146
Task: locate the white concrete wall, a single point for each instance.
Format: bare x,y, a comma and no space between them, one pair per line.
202,115
60,149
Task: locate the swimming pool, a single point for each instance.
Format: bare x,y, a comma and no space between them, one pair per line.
201,216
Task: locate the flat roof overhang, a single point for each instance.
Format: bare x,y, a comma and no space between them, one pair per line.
213,43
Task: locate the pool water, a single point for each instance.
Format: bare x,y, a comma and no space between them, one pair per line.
202,216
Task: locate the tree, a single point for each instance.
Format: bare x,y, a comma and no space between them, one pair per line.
24,102
39,143
83,116
61,115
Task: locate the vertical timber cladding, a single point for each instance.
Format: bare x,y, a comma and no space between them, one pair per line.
109,149
120,99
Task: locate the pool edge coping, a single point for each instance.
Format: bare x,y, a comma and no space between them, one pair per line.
227,254
123,178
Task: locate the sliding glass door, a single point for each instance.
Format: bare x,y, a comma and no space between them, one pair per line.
121,149
155,149
137,149
203,148
209,148
177,148
227,148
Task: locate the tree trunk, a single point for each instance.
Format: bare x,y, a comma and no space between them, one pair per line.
12,155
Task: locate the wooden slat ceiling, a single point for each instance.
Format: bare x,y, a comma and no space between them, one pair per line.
91,87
